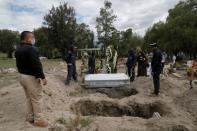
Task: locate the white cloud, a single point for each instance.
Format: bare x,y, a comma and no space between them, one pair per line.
137,14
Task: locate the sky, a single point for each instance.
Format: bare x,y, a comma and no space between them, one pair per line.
136,14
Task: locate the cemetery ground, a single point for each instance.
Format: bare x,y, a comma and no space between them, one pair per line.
74,108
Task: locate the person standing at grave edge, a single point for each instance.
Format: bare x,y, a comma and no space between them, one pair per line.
131,63
31,78
142,63
70,58
91,63
156,66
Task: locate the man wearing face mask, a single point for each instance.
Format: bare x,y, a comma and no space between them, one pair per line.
31,78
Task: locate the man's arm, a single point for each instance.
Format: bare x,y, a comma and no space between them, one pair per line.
36,64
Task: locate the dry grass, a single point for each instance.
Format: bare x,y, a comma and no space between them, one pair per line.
76,123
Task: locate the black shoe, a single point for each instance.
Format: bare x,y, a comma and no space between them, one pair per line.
155,94
131,79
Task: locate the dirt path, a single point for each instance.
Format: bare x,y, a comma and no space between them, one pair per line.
176,106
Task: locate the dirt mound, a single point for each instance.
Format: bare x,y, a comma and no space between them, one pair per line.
188,99
118,92
114,109
178,128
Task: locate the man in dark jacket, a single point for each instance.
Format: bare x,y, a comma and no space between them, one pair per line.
142,63
92,63
156,66
131,62
31,77
70,58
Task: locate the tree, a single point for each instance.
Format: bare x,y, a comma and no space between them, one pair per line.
84,37
128,40
105,26
179,32
42,42
61,24
8,41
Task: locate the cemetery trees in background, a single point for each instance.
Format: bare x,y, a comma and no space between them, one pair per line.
179,32
8,41
84,37
61,24
104,26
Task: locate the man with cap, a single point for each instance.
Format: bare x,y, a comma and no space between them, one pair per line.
70,58
156,66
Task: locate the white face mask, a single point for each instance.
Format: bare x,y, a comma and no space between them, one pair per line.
33,41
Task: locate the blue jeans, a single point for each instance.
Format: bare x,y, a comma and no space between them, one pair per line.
72,74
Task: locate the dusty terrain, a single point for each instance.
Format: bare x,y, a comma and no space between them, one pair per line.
128,109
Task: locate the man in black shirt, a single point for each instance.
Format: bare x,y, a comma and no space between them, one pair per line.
31,77
131,63
91,63
156,66
70,59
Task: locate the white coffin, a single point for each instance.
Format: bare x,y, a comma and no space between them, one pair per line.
106,80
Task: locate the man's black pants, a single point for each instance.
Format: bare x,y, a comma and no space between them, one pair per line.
131,73
71,72
91,70
156,81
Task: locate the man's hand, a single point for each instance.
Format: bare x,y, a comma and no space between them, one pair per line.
42,81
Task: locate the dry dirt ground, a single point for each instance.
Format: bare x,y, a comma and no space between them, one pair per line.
128,109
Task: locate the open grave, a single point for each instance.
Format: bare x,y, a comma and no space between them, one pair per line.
105,108
117,92
178,128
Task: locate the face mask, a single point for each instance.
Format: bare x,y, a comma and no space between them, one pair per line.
33,42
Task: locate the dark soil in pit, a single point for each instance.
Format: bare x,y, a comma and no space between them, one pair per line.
178,128
117,92
113,109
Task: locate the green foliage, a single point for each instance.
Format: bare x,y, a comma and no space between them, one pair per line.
61,25
6,62
109,35
61,32
128,40
84,37
42,42
75,123
179,32
8,41
105,27
55,53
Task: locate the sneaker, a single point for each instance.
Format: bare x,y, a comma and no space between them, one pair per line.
41,123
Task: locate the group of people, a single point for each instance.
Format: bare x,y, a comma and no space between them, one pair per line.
133,59
33,79
142,60
70,58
